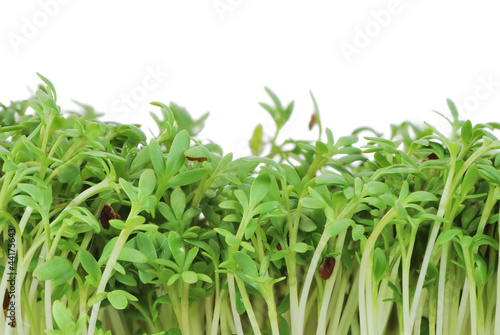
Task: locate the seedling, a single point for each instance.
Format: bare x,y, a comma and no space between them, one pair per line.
107,232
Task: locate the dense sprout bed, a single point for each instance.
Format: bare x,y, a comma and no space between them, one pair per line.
105,231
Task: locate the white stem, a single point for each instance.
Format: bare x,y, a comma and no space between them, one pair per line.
232,294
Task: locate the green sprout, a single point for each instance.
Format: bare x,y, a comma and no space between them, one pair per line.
107,232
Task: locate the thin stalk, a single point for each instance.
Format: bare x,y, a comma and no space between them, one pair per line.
209,307
314,263
371,299
120,242
29,313
185,308
217,309
449,296
176,305
366,258
443,205
327,295
491,290
307,283
232,295
497,312
472,290
248,305
271,309
290,259
464,306
480,311
349,311
337,303
149,323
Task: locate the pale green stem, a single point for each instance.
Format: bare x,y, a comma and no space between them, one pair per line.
232,295
443,205
307,283
185,308
363,276
348,313
472,290
248,305
322,319
497,311
120,242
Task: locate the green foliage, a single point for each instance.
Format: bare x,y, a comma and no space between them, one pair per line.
115,233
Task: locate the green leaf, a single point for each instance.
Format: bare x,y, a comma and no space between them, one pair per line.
246,263
312,203
448,235
132,255
157,158
198,152
453,110
420,196
332,179
338,226
92,131
259,189
130,190
178,202
175,158
480,270
177,248
300,247
321,148
345,141
134,221
466,132
490,174
357,232
256,145
242,198
49,84
190,256
118,299
91,266
186,177
27,202
145,245
232,240
470,180
266,207
403,214
9,165
379,264
63,317
68,174
147,183
189,277
59,270
376,188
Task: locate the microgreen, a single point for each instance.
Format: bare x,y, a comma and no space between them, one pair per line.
108,232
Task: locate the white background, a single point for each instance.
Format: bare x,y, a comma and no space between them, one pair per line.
367,63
